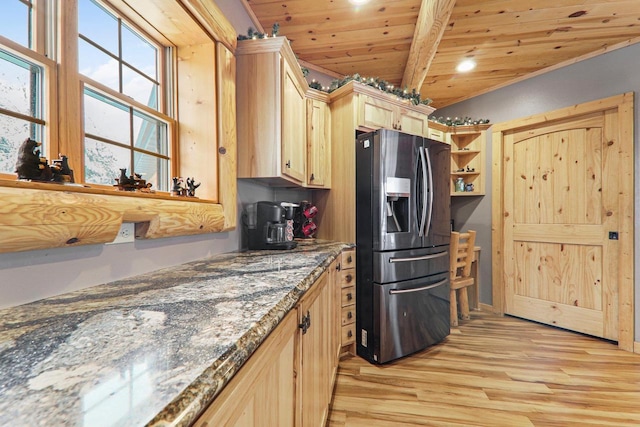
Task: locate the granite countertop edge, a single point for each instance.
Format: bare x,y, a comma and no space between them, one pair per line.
193,400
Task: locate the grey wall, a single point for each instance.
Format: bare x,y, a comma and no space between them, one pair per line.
29,276
607,75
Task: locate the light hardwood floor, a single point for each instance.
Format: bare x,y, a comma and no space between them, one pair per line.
494,371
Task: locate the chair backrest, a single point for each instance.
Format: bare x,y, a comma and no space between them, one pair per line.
462,245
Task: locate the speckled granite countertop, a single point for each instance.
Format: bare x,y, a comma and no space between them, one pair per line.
150,350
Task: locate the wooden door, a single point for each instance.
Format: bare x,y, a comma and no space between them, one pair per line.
376,113
563,197
413,122
294,119
318,155
317,353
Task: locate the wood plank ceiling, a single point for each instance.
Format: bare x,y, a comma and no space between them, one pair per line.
508,39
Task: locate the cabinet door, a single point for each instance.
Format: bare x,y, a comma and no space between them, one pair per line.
375,113
317,354
262,393
293,126
318,153
413,122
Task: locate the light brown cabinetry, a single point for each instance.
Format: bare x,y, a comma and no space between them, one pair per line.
262,393
289,380
318,140
347,283
357,107
271,112
380,111
468,151
317,355
438,132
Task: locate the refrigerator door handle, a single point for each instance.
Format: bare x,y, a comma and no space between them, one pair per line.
420,258
429,189
423,215
423,288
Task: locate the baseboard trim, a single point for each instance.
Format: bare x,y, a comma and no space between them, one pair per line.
486,307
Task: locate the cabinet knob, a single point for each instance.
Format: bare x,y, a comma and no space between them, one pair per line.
348,278
311,178
349,334
338,267
288,164
349,259
349,296
349,315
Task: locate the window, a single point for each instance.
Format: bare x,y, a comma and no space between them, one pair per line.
123,123
22,98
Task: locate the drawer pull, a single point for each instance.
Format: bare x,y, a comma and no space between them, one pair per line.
349,315
349,296
338,266
348,278
349,260
349,334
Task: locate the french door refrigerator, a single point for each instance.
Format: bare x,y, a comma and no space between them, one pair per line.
402,244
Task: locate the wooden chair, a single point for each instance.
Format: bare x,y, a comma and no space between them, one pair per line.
461,250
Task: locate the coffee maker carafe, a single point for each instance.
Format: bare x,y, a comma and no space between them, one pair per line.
269,225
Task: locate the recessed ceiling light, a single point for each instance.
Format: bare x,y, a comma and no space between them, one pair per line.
466,65
358,2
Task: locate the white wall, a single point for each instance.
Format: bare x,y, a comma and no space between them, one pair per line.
607,75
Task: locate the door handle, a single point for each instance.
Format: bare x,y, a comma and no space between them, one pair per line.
419,258
424,288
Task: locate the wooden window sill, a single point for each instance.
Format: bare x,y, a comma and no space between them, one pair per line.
36,215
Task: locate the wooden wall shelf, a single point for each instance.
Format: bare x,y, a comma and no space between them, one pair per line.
41,216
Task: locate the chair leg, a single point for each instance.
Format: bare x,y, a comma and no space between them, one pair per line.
453,308
464,303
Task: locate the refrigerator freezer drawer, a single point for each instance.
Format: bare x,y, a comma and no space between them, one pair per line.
397,266
410,316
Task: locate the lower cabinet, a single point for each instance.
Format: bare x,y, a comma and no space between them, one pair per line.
289,380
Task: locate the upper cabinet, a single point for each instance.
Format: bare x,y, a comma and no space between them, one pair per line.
468,151
318,140
377,109
271,115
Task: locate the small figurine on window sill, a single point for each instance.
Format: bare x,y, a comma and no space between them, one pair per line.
188,190
132,183
35,168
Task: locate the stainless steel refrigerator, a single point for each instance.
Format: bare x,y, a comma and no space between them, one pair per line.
402,244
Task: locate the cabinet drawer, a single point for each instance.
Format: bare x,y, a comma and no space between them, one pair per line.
348,314
348,296
436,134
348,334
347,278
348,259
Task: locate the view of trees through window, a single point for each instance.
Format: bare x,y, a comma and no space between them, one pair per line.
116,132
124,125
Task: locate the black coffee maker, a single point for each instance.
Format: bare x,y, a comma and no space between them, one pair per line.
270,225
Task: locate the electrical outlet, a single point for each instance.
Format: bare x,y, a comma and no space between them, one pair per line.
126,234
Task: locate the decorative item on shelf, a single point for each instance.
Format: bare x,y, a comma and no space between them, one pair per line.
470,169
410,95
31,166
184,188
468,187
303,225
132,183
459,185
252,34
316,85
465,121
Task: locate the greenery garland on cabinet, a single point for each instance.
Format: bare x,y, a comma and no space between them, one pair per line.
412,95
457,121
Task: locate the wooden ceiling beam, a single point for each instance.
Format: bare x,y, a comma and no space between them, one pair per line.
432,20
